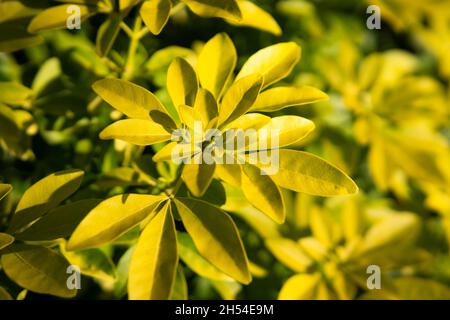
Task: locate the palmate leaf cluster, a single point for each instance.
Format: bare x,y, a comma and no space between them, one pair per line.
86,148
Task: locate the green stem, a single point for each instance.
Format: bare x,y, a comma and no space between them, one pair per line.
129,64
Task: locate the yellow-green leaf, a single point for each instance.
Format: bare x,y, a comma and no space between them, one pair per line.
56,17
136,131
182,83
216,63
4,295
206,107
40,270
154,261
303,172
262,193
193,259
155,14
45,195
281,97
300,287
4,190
5,240
14,93
107,33
289,253
228,9
180,288
239,98
273,63
59,222
215,236
111,218
130,99
197,177
255,17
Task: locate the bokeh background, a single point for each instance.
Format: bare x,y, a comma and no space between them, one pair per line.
386,124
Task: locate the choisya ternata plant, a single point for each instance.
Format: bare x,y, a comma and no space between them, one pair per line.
210,94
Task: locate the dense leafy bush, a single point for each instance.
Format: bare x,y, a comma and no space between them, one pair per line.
93,119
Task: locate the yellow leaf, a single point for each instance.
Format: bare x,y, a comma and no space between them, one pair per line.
228,9
230,173
273,63
289,253
281,97
239,98
155,14
300,287
262,193
206,107
38,269
111,218
154,262
182,83
179,150
215,236
180,288
136,131
130,99
56,17
216,63
193,259
255,17
4,190
45,195
303,172
5,240
198,177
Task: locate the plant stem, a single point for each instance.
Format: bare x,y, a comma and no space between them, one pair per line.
129,64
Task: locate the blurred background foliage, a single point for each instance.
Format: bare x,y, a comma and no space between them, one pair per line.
386,125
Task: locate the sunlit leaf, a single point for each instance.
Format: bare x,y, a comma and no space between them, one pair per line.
289,253
155,14
215,236
300,287
273,63
215,8
198,177
154,262
182,83
44,196
216,63
111,218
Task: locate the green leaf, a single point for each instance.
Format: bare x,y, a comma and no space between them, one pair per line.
300,287
216,63
180,288
215,236
14,93
5,240
273,63
281,97
154,262
303,172
112,218
132,100
92,262
255,17
193,259
120,286
228,9
198,177
289,253
155,14
45,195
39,270
262,193
56,17
182,83
107,34
4,190
59,222
239,98
136,131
